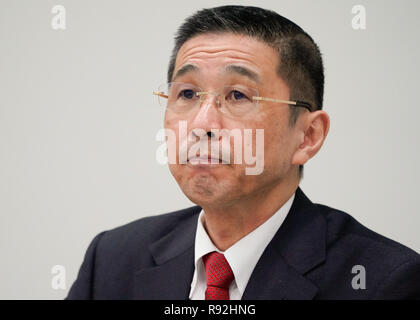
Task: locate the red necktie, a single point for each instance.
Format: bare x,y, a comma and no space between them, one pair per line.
219,276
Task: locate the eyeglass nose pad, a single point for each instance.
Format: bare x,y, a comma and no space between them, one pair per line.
216,95
217,98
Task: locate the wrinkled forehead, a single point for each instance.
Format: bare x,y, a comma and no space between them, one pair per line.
226,53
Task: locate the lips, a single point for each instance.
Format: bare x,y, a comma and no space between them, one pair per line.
206,159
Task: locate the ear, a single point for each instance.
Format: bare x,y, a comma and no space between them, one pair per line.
314,131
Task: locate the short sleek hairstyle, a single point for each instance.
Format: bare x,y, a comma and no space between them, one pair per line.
300,62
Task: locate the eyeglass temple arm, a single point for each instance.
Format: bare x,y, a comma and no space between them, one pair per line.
294,103
160,94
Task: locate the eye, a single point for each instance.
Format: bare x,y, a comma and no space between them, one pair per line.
236,95
187,94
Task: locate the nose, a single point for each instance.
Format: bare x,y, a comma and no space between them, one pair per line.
207,118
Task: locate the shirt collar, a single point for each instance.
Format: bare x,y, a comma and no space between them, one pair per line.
245,253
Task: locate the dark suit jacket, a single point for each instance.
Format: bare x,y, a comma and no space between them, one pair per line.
310,257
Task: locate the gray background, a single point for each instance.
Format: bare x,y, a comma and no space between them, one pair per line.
78,124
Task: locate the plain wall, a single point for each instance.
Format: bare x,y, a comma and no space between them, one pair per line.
78,123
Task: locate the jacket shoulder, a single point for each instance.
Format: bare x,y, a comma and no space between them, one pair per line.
150,228
342,226
392,269
114,255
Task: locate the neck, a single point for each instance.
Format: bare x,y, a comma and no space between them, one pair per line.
227,225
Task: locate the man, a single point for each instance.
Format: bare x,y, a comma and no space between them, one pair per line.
253,235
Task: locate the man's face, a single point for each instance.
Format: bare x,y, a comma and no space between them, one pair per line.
225,184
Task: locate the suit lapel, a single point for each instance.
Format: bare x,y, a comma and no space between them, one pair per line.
169,281
274,279
298,247
171,277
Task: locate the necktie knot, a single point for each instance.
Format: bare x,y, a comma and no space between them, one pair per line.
219,276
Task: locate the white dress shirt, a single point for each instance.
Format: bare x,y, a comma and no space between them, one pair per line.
241,256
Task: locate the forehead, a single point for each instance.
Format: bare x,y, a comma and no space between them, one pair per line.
214,51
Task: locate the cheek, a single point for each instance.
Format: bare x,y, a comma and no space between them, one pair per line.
278,141
172,128
169,121
175,171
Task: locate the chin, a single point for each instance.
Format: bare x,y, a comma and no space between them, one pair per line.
204,187
203,193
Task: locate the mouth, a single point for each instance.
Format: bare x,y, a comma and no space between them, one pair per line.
205,160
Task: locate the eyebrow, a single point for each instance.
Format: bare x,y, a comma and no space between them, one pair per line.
243,72
185,69
228,69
